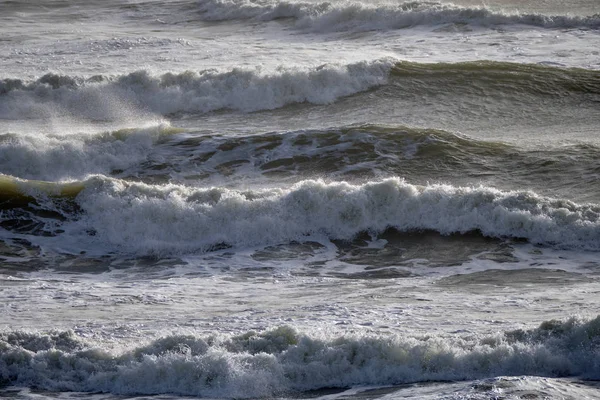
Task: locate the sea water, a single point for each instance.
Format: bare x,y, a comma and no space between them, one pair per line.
300,199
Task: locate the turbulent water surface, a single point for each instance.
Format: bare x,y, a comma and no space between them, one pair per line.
300,199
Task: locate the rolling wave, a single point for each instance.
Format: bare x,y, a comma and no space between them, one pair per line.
358,16
247,90
282,360
104,97
141,219
506,79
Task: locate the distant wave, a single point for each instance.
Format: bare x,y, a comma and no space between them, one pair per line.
359,16
105,97
283,361
113,97
141,219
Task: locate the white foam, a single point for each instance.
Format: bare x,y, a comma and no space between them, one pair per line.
283,360
108,98
72,156
161,220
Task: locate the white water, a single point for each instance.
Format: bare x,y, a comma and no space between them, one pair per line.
357,16
247,90
277,361
138,219
75,155
171,36
195,220
133,264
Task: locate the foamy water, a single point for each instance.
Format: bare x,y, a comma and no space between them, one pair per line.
291,199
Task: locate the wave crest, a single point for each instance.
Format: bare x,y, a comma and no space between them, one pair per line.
142,219
102,98
107,98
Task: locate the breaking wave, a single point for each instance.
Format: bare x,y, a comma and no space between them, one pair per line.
141,219
283,361
108,98
76,155
105,97
357,16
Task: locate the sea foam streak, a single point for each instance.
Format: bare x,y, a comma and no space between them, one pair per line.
356,16
141,219
103,98
283,360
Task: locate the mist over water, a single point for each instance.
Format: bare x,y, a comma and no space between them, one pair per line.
292,199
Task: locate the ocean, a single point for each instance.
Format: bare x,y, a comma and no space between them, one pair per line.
300,199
